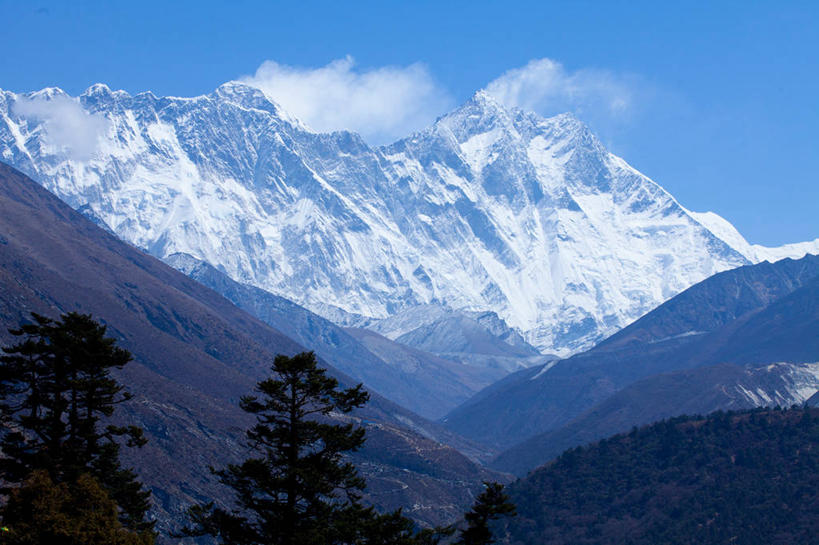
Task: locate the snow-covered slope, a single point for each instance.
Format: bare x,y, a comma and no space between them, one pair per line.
793,384
755,252
490,209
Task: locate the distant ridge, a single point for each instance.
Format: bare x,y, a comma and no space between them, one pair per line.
754,315
427,385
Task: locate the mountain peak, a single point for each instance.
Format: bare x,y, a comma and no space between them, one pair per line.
482,113
237,89
248,96
569,119
484,102
101,92
47,93
97,89
482,96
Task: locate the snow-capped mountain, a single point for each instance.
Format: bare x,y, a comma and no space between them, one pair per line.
490,209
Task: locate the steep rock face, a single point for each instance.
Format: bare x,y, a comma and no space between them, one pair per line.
561,235
488,210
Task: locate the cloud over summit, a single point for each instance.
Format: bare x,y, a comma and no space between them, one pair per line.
545,86
390,102
382,104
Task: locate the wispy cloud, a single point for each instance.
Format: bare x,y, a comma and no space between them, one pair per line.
67,128
545,86
381,104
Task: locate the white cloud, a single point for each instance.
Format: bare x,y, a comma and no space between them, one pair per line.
68,129
381,104
546,87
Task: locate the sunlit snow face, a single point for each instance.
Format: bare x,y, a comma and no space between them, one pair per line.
488,209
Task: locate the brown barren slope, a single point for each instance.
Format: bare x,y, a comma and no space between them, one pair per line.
195,354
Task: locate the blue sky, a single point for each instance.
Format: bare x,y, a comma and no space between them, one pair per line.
718,103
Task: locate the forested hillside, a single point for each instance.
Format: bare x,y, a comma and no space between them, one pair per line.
746,477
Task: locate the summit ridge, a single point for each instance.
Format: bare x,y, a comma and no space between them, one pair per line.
489,209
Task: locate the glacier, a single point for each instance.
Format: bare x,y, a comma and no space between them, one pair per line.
491,209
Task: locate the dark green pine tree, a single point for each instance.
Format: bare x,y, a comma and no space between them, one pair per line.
298,489
55,389
490,505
